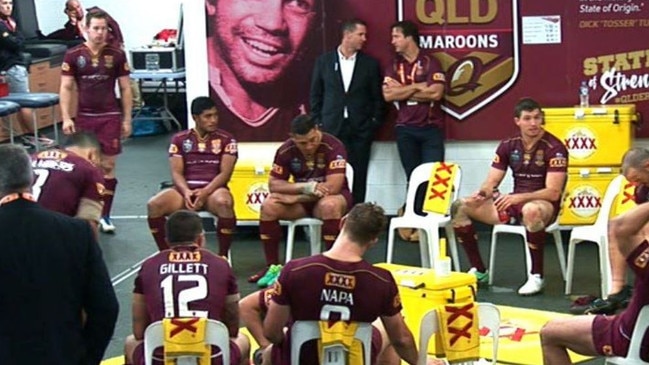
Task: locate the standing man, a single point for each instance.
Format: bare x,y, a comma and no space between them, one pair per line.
68,180
539,164
415,83
186,281
52,271
339,285
92,68
202,160
259,63
315,162
346,99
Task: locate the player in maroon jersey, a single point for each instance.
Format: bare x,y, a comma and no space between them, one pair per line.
203,279
92,68
340,285
602,335
202,160
539,164
68,180
316,161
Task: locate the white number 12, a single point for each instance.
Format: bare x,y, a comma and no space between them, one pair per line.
185,296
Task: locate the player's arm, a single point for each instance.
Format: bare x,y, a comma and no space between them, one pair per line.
251,315
231,314
140,316
275,320
90,210
628,228
227,168
177,167
427,93
554,183
127,104
393,90
400,337
494,177
68,85
303,192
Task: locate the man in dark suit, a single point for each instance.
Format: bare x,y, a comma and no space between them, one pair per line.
58,302
346,99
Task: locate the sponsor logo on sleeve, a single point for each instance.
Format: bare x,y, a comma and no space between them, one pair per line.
277,169
337,164
496,159
438,76
558,162
65,66
173,149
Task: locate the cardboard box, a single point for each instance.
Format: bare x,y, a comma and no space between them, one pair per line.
595,136
249,182
161,59
421,290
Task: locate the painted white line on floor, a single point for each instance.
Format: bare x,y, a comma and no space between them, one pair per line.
130,271
128,217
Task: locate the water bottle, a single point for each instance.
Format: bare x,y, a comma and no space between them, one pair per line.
583,95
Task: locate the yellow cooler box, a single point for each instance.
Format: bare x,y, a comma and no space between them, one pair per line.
249,182
421,290
595,136
585,194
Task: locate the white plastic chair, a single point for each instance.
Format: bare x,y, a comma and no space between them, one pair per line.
488,317
314,224
427,224
633,356
304,331
598,233
216,334
553,229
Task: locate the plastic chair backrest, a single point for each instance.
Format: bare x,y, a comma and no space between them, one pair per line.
421,174
217,334
349,174
488,317
304,331
611,193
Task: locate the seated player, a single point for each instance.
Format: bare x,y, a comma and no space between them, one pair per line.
68,179
602,335
340,285
316,163
539,164
209,292
202,161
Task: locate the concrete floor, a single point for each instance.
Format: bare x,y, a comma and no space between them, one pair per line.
144,164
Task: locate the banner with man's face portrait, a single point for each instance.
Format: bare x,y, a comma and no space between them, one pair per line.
260,55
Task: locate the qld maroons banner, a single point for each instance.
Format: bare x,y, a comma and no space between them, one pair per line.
260,55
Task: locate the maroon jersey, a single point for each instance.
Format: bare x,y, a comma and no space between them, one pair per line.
95,76
641,194
202,156
63,178
330,158
185,281
530,168
423,69
319,288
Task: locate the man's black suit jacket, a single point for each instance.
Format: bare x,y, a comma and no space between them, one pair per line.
51,268
364,99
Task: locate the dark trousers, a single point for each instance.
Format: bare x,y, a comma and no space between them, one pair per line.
417,145
358,155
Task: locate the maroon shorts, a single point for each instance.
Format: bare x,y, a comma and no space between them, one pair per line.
516,212
608,336
107,128
235,355
280,355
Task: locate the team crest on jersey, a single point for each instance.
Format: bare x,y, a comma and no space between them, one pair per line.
515,156
184,256
340,280
81,62
296,165
216,146
478,50
109,61
320,161
187,145
539,158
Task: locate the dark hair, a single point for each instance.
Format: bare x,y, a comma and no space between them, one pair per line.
183,226
409,29
96,14
350,25
15,170
365,222
83,139
302,124
525,105
634,158
201,104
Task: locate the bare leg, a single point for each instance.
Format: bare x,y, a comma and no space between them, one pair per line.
559,335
